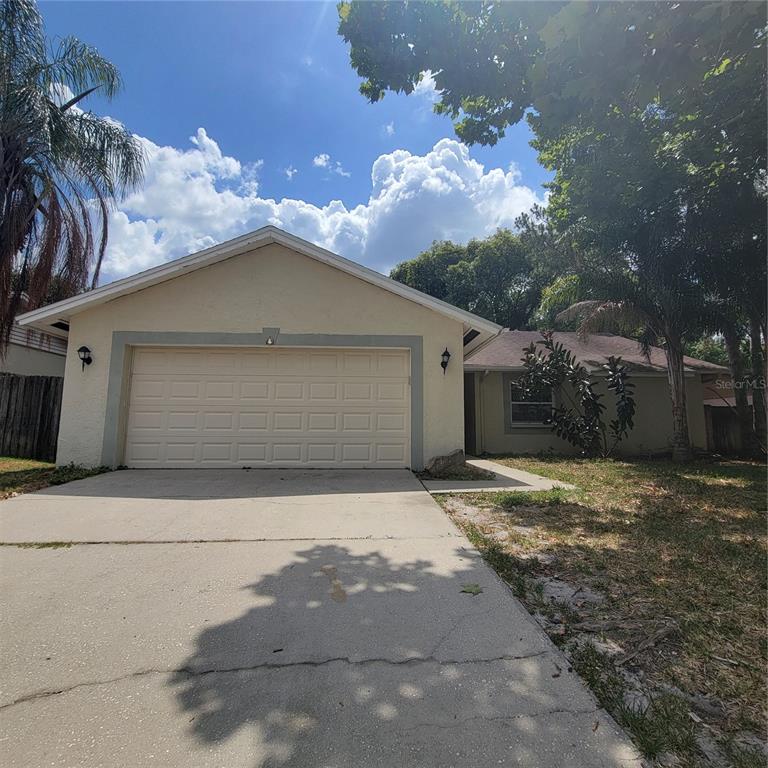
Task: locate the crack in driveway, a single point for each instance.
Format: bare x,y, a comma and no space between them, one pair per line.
190,673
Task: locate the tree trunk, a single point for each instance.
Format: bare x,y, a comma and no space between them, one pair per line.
681,444
743,414
757,356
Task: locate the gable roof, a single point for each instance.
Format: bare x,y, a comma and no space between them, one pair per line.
46,318
505,352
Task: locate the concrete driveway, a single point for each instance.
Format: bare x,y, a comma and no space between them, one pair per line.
272,618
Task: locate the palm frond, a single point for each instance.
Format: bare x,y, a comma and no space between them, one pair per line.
61,168
621,317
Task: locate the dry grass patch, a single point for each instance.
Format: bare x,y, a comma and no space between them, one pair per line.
27,475
677,551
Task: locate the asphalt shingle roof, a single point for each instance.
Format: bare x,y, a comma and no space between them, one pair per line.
505,352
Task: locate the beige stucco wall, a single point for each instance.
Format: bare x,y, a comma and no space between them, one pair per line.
270,287
28,361
652,432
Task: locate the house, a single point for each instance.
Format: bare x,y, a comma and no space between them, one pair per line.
720,416
499,420
267,351
262,351
32,353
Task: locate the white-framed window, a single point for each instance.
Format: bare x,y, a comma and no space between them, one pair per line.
530,408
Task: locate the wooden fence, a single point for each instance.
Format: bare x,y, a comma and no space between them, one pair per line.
30,407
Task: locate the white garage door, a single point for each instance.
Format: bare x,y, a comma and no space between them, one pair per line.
225,407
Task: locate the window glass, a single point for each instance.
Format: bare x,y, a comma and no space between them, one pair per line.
533,408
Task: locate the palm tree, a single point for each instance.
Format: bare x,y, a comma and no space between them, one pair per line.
61,168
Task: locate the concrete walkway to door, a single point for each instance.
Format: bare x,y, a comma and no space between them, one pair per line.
272,618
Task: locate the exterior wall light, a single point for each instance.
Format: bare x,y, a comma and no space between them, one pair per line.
270,341
444,358
85,356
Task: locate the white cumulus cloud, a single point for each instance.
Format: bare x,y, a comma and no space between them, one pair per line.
324,161
195,197
426,88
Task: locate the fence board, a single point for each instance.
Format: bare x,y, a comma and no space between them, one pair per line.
30,407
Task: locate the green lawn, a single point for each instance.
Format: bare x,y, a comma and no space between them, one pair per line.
678,551
25,475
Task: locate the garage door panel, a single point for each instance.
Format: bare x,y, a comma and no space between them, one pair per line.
216,452
219,390
213,420
271,407
288,422
148,389
391,452
319,453
323,422
287,452
323,391
145,452
358,363
254,390
289,390
356,391
252,453
151,360
356,422
182,420
392,364
390,390
324,364
391,422
181,452
356,452
253,420
221,362
181,389
148,419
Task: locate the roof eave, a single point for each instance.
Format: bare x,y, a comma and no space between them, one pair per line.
63,310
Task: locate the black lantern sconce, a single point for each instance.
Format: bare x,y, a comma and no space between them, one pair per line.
85,356
444,358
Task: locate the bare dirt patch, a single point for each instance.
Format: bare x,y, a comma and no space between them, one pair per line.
651,576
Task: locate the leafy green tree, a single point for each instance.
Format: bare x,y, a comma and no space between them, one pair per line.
647,112
60,167
622,194
428,272
709,348
495,278
493,61
733,267
563,292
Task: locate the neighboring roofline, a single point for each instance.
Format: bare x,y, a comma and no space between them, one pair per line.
31,338
63,310
691,365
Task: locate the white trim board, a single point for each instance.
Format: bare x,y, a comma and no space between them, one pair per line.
63,310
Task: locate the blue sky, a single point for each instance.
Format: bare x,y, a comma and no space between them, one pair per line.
285,133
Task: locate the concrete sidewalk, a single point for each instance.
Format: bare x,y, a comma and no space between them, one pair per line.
506,479
333,651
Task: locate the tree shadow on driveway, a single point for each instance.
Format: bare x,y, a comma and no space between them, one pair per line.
353,657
